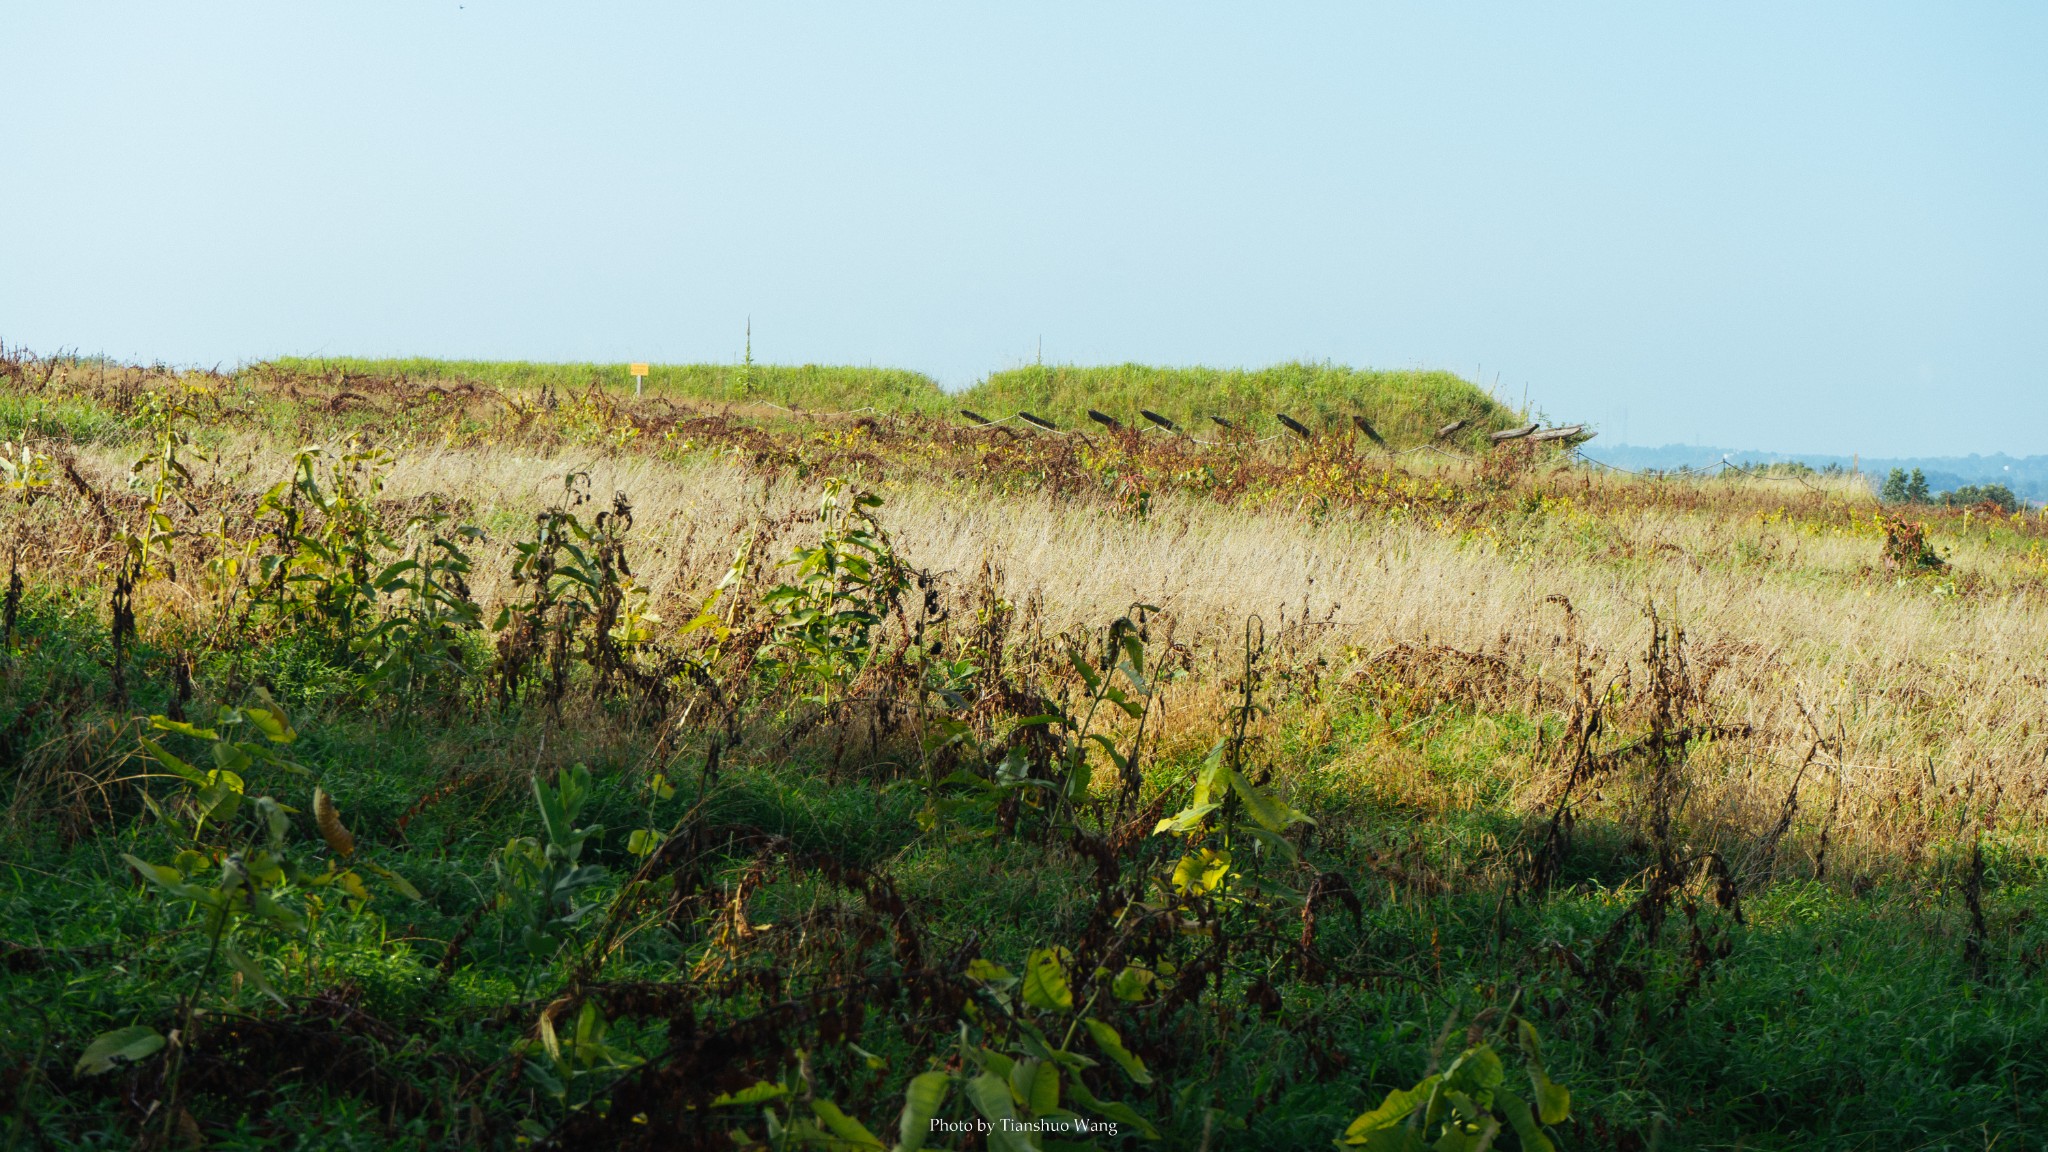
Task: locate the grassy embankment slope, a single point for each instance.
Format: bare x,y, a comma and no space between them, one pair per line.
1762,868
1405,406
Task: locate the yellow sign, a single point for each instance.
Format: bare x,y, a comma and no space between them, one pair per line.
639,369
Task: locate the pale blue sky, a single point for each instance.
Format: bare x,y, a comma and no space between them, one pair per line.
1817,227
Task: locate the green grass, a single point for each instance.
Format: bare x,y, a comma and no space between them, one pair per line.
73,419
1835,1021
811,386
1405,406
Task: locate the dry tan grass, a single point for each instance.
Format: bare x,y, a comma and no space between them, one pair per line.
1923,701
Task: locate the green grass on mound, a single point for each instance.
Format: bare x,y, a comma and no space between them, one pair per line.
1405,407
811,386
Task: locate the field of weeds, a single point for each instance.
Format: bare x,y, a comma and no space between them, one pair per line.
413,755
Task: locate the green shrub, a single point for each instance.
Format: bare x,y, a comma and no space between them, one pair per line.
1902,487
1970,495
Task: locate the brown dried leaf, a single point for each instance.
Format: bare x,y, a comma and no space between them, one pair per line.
329,820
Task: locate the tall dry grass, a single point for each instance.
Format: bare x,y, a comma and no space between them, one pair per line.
1909,705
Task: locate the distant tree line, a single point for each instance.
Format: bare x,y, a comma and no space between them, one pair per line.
1903,487
1970,495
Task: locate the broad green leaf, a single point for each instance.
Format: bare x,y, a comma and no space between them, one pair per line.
1394,1110
1524,1123
270,757
1476,1070
760,1093
1108,745
849,1130
1209,778
250,970
1269,810
990,1060
1456,1139
265,908
1463,1107
990,1095
1036,1084
266,868
552,816
1388,1140
177,828
275,823
1274,842
1532,1044
220,797
165,724
1112,1045
1134,661
1087,671
230,756
1045,980
160,755
549,1042
1037,1045
922,1099
400,883
1115,1110
1553,1100
1080,778
1186,820
575,788
987,971
156,873
171,881
110,1050
590,1027
1199,874
643,841
387,580
270,719
1133,983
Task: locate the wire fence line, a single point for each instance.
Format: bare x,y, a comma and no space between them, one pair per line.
1717,468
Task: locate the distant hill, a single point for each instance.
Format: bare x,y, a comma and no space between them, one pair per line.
2027,476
